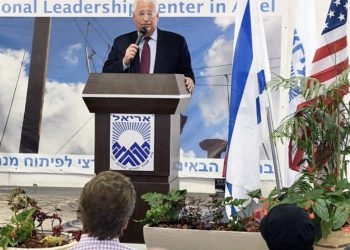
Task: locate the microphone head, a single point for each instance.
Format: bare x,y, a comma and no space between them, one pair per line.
143,30
142,33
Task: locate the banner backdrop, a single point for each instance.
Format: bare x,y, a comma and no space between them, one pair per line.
84,165
123,8
79,45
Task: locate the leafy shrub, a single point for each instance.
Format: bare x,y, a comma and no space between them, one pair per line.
25,229
177,210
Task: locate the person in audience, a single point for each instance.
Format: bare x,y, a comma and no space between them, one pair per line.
106,203
288,227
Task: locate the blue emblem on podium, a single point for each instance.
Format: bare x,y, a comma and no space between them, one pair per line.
132,139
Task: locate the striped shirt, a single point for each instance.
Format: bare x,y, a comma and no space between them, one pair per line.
92,243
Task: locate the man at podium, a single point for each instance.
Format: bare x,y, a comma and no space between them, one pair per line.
149,49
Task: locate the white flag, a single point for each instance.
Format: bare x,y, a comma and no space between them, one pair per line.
250,72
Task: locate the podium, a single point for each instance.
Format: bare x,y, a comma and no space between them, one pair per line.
165,96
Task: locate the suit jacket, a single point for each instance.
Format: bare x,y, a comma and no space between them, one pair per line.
172,55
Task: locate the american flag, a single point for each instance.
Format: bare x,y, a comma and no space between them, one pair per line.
330,59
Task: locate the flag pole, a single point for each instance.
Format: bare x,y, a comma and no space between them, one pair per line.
275,160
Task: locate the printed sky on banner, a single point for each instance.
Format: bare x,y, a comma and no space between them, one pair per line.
123,8
67,126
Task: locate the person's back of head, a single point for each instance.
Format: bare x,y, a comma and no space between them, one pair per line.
106,203
288,227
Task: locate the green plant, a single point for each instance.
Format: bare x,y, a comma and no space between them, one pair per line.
177,210
25,229
163,208
328,205
249,215
321,129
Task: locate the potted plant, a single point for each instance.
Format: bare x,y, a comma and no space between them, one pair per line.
178,221
320,128
26,227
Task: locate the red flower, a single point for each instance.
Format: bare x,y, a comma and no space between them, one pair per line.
346,229
265,211
312,216
257,214
13,234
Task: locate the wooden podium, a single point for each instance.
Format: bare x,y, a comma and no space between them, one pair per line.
164,95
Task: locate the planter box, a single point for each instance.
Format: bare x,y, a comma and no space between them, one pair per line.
50,248
336,241
180,239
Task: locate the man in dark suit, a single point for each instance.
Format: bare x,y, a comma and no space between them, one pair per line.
167,52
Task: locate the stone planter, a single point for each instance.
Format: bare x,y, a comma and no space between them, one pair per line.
180,239
336,241
72,244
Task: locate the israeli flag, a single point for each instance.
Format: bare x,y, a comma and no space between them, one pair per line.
250,72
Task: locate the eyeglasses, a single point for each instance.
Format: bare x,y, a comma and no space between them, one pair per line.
149,15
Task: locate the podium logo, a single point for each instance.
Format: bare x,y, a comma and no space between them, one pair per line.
132,141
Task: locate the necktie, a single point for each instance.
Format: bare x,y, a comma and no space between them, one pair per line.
145,57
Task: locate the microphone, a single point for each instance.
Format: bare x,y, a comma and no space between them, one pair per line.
142,32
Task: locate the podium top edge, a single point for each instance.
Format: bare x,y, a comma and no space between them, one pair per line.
136,84
137,96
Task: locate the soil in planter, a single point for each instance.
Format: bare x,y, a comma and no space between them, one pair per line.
222,227
249,224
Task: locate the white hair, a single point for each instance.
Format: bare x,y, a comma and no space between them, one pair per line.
136,2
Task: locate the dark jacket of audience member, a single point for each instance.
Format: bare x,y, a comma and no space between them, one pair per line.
288,227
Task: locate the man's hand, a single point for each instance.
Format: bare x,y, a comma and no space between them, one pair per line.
189,84
130,54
